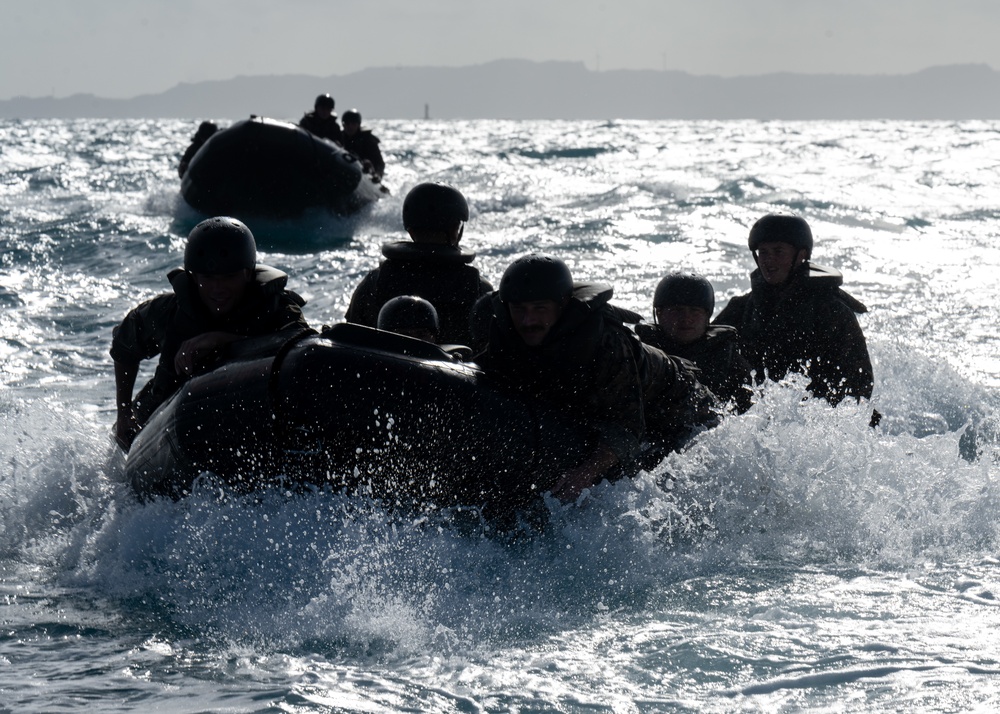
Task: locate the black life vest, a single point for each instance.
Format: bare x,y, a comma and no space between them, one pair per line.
186,317
439,274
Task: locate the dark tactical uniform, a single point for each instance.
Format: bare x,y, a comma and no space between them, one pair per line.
364,145
807,325
188,155
592,366
440,274
328,128
159,326
721,367
204,133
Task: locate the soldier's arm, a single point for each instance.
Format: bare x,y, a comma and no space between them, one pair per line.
376,158
853,363
841,367
591,471
139,336
740,381
362,309
617,397
126,426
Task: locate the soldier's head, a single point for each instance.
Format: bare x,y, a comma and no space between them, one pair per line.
683,305
220,256
351,119
780,243
410,315
535,289
205,130
323,106
435,213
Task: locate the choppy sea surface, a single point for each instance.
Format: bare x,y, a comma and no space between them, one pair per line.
792,559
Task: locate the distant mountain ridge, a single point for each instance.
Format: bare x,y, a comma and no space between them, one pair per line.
521,89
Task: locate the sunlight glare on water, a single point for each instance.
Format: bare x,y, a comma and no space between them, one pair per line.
792,559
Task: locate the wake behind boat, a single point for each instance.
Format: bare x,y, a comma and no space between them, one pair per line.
264,168
361,410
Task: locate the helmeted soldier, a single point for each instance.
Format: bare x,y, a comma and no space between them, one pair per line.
221,295
322,121
362,143
411,316
682,308
796,317
432,266
565,343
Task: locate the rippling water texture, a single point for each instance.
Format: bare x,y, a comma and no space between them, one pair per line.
792,559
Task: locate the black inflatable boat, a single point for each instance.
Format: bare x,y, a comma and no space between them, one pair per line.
272,169
361,410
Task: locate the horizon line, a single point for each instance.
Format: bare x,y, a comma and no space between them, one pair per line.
52,96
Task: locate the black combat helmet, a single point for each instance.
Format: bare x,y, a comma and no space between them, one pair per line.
536,277
351,116
434,206
324,101
205,130
782,228
218,246
408,312
686,290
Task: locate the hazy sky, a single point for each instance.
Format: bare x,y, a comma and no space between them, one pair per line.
122,48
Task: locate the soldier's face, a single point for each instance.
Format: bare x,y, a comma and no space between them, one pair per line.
222,292
683,323
533,320
351,128
777,261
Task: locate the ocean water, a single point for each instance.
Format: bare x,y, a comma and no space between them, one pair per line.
793,559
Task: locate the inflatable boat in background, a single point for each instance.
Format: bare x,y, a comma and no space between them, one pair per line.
264,168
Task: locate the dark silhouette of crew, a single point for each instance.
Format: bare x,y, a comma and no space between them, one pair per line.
362,143
682,308
221,295
322,121
431,266
797,318
563,342
205,131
